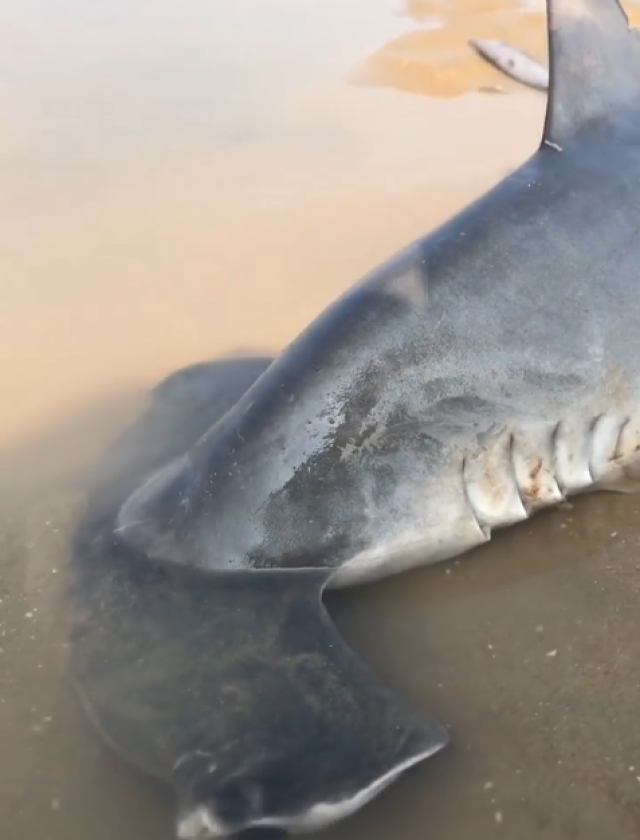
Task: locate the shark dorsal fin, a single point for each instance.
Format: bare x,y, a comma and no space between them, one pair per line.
594,67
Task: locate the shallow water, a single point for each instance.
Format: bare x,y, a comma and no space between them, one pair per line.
183,181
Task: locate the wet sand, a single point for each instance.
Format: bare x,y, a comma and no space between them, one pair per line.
180,183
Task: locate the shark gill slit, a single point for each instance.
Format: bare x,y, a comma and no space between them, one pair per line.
593,430
514,472
555,436
618,452
484,529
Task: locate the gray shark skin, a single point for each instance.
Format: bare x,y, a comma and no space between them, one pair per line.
233,688
487,371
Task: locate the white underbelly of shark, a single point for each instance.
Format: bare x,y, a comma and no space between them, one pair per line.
512,475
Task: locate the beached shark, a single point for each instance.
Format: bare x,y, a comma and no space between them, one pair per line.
489,370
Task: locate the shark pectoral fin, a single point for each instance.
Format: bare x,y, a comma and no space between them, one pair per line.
309,734
366,715
594,66
149,520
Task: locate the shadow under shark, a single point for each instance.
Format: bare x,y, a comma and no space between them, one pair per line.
489,370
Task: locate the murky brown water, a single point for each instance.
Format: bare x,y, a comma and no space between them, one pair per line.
185,180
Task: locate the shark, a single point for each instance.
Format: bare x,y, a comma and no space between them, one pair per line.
488,371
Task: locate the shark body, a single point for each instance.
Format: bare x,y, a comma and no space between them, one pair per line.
488,371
